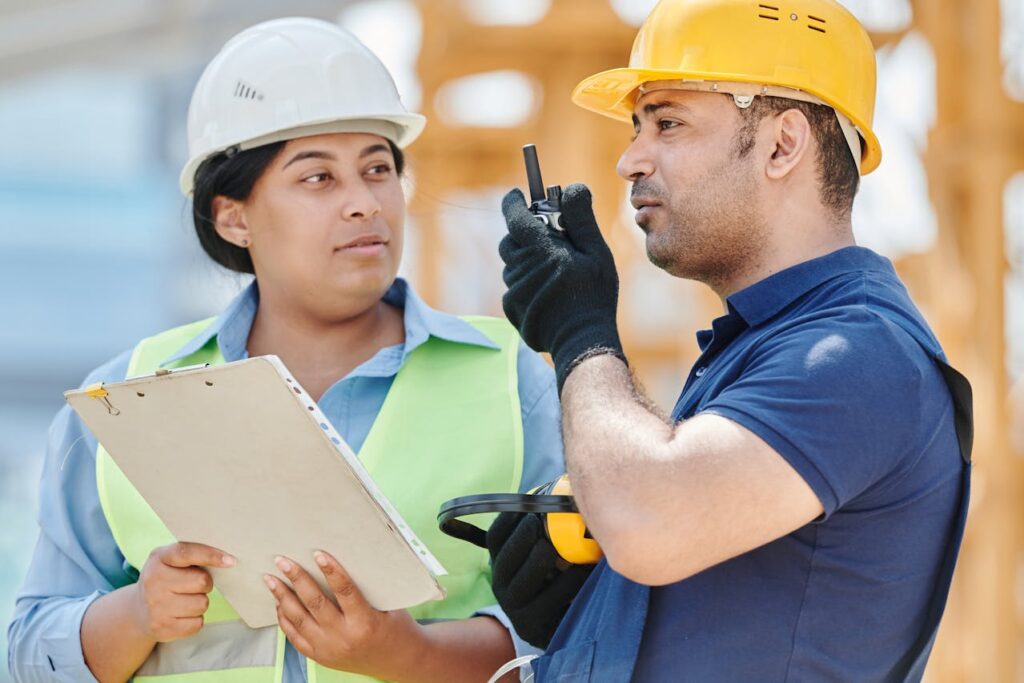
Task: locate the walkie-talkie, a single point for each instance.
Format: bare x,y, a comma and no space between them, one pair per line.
545,203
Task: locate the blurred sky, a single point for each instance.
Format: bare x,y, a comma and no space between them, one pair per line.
96,243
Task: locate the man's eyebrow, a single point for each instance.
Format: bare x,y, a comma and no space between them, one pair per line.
655,107
310,154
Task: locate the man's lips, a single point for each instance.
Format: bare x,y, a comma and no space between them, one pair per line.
644,207
642,203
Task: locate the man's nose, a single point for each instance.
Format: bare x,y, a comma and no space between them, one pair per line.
635,163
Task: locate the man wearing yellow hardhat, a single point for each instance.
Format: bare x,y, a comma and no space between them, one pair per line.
798,517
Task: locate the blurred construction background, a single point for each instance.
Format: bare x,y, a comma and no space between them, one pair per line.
96,248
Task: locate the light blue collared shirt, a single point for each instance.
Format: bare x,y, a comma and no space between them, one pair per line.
76,559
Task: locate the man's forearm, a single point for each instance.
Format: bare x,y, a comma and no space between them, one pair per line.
113,645
611,433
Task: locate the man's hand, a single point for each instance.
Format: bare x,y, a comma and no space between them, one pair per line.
172,589
533,585
350,636
562,287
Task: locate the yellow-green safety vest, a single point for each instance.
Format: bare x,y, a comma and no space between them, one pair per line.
450,426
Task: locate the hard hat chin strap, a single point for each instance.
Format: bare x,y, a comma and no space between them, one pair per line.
743,95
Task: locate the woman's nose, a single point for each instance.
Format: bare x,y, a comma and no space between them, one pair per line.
360,203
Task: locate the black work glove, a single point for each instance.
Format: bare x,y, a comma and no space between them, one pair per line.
533,584
562,286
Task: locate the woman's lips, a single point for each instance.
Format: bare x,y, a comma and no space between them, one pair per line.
365,249
364,245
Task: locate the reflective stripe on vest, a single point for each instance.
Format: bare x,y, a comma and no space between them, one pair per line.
230,644
452,408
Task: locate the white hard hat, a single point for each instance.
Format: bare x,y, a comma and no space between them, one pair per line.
291,78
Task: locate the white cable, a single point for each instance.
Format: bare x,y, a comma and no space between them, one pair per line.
512,665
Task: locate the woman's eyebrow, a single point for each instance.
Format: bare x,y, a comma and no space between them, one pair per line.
372,149
310,154
319,154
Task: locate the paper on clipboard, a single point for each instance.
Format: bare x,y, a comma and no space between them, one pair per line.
239,457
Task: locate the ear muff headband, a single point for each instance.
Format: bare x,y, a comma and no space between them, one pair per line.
448,517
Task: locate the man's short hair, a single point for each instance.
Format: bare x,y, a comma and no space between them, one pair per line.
838,175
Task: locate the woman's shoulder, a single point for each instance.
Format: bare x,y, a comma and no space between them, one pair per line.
113,370
116,369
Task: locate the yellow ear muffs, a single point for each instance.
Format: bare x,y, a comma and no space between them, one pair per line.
567,530
564,524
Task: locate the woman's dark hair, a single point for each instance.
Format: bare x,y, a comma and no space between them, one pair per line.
233,175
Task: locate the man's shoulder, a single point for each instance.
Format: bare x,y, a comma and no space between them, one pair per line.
859,335
870,307
844,385
873,356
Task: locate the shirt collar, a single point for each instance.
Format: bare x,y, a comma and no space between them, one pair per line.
763,300
231,328
422,321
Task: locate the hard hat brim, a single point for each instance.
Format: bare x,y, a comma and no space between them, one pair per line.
612,93
402,129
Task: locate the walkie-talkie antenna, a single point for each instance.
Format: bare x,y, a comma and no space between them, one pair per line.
533,178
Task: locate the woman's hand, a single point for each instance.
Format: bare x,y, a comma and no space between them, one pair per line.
172,589
350,636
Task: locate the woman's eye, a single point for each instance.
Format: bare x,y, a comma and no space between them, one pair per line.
316,178
379,169
665,124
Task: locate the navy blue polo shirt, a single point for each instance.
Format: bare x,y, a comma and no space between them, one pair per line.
831,364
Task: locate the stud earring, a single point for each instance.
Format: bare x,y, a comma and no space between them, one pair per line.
245,243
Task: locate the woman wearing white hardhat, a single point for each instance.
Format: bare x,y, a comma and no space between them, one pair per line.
295,135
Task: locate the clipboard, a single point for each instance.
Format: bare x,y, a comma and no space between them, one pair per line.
238,456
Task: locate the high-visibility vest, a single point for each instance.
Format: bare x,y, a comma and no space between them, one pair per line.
450,426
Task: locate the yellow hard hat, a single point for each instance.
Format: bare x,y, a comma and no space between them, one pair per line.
810,50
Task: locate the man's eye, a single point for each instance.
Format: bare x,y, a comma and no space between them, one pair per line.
665,124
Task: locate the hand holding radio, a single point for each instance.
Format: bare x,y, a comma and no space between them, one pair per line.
563,288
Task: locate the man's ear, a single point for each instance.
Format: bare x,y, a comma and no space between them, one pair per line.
229,221
792,138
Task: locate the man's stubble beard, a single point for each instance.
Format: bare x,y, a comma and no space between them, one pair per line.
714,232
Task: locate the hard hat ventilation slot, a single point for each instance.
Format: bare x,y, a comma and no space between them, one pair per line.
771,8
819,29
775,9
247,92
815,28
765,16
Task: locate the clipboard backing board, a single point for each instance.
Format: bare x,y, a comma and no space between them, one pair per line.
239,457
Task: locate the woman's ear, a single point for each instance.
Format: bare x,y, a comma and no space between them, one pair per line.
792,140
229,221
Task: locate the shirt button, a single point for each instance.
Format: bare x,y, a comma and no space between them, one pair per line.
700,372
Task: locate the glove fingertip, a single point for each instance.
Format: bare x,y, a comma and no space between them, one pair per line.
576,195
513,198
